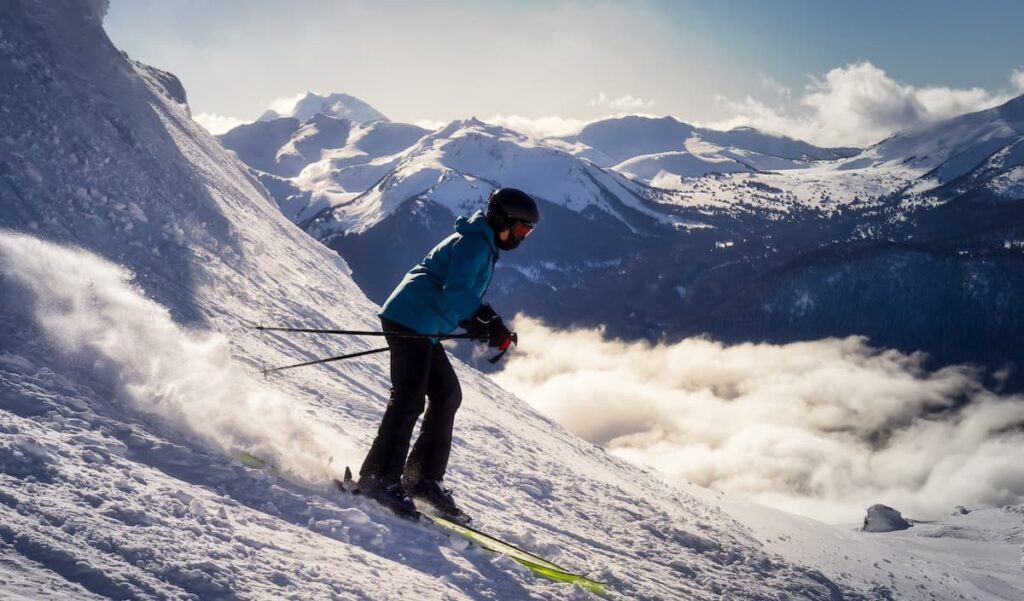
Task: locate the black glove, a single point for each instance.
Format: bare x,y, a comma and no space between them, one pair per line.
498,335
485,325
476,325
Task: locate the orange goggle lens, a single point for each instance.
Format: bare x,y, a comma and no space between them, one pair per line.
522,230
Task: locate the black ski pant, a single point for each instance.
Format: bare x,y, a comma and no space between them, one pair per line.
420,370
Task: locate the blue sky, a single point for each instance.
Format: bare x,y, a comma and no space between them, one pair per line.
549,65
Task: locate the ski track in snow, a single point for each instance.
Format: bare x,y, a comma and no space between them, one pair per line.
128,376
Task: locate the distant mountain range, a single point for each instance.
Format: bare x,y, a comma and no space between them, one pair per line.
657,228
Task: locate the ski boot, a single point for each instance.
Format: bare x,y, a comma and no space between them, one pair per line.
440,498
389,493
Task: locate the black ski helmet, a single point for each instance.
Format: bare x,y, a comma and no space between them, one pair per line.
508,206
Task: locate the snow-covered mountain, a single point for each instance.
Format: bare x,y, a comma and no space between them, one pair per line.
344,158
913,166
136,255
339,106
978,152
951,147
623,138
659,151
457,166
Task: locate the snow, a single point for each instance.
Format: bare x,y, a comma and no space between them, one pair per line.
975,556
129,380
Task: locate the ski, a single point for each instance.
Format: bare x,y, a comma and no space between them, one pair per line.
536,564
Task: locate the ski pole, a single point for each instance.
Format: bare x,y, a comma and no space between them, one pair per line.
367,333
267,372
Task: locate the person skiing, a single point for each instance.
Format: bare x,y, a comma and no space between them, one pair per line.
443,292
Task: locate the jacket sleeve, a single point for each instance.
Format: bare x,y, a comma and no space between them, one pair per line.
459,297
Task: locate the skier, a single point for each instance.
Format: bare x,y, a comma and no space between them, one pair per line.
443,292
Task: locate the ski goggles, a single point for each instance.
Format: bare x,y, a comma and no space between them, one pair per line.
521,230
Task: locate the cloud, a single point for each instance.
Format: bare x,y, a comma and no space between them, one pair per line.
775,87
1017,79
859,104
627,102
429,123
824,428
286,105
217,124
539,127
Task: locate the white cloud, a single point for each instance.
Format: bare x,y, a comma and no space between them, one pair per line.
539,127
429,123
860,104
627,102
217,124
286,105
775,87
1017,79
823,428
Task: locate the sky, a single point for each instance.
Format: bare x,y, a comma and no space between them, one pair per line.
833,73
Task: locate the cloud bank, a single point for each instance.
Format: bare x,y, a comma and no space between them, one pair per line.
823,428
857,105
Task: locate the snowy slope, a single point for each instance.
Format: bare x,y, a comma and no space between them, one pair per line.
340,106
129,376
978,555
612,141
284,146
700,158
347,170
259,144
953,146
309,141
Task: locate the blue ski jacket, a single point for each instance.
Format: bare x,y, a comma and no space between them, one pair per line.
448,286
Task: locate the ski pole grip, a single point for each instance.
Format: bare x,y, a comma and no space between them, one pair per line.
515,341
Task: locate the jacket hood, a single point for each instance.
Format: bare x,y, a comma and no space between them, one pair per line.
476,224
